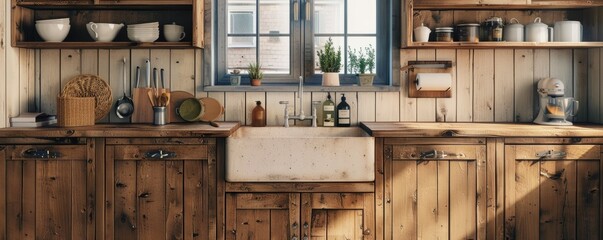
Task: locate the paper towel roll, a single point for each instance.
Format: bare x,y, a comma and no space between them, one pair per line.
434,81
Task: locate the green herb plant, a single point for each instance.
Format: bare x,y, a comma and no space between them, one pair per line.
329,59
360,61
255,71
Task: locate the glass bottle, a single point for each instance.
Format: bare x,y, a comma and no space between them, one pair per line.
258,115
343,113
328,112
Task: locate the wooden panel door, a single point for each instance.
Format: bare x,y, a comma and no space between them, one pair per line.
467,2
50,191
436,191
147,2
160,191
332,216
262,216
553,192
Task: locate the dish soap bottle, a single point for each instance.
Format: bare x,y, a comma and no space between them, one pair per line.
343,113
328,112
258,115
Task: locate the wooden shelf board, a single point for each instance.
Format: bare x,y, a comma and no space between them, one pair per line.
103,45
506,7
505,45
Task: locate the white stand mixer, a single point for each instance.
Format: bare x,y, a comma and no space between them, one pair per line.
554,108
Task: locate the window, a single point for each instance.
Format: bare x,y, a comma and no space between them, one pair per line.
284,36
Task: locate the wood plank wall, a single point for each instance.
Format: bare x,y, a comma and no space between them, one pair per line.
490,85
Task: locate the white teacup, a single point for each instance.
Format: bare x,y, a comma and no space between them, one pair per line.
173,32
103,32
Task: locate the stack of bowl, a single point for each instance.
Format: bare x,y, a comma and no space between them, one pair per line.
143,32
53,30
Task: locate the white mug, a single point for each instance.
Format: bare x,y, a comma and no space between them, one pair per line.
173,32
103,32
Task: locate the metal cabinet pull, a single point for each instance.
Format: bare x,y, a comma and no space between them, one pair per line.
160,154
308,10
433,154
296,10
551,154
40,153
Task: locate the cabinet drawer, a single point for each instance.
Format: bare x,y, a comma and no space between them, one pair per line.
434,152
187,152
541,152
54,152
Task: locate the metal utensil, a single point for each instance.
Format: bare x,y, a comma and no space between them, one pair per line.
124,107
162,78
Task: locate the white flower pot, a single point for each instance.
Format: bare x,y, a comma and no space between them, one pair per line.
366,79
330,79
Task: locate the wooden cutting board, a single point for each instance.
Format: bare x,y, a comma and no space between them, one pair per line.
176,98
143,110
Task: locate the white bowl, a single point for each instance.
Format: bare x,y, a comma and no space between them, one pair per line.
53,32
56,20
143,38
103,32
151,24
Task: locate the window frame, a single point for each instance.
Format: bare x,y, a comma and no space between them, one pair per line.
388,48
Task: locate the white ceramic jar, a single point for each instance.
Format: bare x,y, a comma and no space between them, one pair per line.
513,32
422,33
568,31
537,31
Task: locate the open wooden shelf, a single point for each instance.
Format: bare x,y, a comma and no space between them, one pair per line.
450,13
79,45
187,13
506,45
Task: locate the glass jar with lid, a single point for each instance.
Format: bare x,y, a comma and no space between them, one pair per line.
444,34
492,29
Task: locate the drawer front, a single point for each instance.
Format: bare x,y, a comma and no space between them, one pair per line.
556,152
161,152
47,152
435,152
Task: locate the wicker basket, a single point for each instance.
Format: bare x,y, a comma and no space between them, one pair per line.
75,111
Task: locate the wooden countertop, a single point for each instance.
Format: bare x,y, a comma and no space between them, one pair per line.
127,130
402,129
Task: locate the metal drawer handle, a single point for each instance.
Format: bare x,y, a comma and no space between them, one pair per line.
160,154
551,154
40,153
434,154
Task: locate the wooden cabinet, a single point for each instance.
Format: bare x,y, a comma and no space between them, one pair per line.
300,216
553,191
50,191
160,188
187,13
435,14
438,189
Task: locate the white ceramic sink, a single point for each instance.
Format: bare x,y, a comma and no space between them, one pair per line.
300,154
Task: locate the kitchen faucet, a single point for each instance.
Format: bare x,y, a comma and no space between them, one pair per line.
301,116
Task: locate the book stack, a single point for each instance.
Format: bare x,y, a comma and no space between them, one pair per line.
33,120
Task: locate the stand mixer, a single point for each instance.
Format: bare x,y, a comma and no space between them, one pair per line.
554,108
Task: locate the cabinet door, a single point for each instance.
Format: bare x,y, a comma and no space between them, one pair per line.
436,191
552,192
147,2
332,216
50,192
467,2
159,191
262,216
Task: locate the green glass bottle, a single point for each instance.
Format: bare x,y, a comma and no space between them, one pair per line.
328,112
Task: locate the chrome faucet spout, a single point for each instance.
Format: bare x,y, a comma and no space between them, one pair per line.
302,116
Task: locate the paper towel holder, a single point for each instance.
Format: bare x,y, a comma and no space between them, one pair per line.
415,67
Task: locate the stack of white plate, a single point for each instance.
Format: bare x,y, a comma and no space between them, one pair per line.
53,30
143,32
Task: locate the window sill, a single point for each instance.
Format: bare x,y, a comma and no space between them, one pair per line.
294,87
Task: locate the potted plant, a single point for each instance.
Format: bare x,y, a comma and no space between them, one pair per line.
330,64
360,62
255,74
235,78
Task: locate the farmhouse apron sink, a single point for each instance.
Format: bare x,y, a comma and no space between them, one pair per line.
300,154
